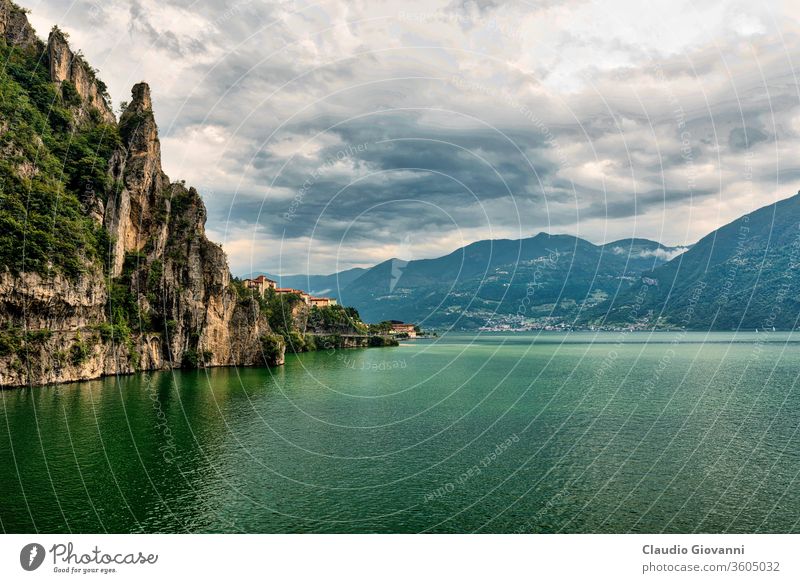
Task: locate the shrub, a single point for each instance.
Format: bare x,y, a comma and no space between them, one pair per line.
335,319
196,359
295,341
382,328
119,333
10,341
130,123
377,341
272,347
154,275
70,94
79,353
279,310
38,336
190,359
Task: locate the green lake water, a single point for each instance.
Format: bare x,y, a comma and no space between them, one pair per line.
582,432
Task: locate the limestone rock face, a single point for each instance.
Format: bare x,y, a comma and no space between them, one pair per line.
50,330
14,26
166,222
67,66
65,356
178,279
136,213
35,302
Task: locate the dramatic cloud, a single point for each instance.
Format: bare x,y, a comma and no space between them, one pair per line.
339,134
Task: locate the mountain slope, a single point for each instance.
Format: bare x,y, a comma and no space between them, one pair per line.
743,275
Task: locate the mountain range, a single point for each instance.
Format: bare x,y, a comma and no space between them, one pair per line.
742,275
545,278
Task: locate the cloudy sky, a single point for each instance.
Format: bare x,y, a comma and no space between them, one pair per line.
337,134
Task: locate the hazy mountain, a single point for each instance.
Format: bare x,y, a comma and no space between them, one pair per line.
743,275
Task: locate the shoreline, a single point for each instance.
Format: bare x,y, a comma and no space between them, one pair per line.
175,368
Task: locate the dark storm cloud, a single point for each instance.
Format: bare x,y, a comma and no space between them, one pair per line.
443,169
444,174
619,209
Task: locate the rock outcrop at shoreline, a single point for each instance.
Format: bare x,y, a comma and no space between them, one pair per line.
158,294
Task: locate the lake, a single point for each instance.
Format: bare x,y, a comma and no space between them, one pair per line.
553,432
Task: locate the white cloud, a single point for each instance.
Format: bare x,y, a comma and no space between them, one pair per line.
664,254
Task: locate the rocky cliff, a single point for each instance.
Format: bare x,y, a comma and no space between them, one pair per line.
67,67
157,294
14,26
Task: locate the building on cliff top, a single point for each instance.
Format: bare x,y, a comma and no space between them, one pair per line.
290,290
322,302
308,299
260,284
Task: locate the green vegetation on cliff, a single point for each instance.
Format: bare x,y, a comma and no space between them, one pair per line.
51,168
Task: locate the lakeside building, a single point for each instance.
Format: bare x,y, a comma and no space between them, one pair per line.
260,284
403,328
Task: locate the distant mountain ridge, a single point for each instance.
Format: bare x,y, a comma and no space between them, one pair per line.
545,278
